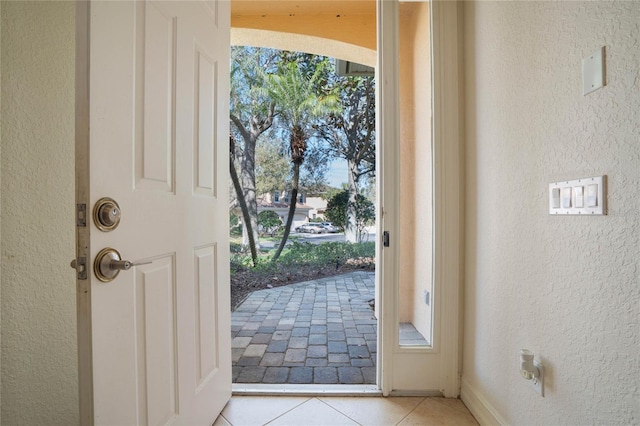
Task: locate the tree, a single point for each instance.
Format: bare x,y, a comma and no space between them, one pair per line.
252,113
272,164
241,201
351,135
269,221
336,211
299,105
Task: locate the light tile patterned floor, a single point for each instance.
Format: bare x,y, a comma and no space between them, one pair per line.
333,411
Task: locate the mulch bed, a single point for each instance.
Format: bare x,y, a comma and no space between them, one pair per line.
246,281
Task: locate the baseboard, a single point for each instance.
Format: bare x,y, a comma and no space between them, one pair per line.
482,410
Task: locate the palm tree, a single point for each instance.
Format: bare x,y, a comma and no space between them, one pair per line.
299,105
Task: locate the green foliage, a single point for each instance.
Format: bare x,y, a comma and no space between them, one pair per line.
336,211
269,221
321,254
296,96
235,226
249,69
233,220
330,192
308,255
272,164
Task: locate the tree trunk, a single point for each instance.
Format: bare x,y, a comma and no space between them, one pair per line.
351,222
248,177
292,210
245,210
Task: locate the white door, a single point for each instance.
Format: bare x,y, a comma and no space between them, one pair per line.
152,134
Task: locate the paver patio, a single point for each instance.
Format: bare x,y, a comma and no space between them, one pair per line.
320,331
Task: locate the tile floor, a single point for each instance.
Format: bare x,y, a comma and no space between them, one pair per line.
330,411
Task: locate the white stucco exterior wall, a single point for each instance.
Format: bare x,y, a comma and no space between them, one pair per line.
39,362
567,288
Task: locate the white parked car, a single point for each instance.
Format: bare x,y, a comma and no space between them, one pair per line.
311,228
329,227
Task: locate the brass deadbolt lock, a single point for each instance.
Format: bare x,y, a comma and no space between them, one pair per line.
106,214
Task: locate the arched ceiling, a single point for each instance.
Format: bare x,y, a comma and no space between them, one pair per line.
342,29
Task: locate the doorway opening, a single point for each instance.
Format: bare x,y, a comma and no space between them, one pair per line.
412,313
304,159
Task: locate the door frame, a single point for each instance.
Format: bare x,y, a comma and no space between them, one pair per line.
83,248
431,370
436,369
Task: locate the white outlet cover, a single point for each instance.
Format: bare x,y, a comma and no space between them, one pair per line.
593,71
537,383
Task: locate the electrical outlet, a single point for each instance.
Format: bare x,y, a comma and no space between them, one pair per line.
537,383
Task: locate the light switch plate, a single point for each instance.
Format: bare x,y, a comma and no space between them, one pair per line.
593,71
585,196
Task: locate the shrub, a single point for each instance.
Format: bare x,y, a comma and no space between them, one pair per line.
336,211
269,221
310,255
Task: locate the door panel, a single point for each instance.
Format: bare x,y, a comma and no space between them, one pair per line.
205,295
155,286
155,83
154,342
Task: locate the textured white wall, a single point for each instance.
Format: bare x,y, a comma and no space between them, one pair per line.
39,362
567,288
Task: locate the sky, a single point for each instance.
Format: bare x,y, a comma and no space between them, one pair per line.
337,174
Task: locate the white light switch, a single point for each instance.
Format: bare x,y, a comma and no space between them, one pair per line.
555,198
586,196
592,195
593,71
578,196
566,198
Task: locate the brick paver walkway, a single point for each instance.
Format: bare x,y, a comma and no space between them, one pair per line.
321,331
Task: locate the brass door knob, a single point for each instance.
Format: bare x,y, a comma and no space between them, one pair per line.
108,264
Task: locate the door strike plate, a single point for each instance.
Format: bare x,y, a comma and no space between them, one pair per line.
81,215
385,238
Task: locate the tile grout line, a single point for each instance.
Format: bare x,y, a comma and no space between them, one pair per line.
333,408
288,411
414,409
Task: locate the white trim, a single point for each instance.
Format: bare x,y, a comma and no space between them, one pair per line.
448,181
263,389
388,166
482,410
435,369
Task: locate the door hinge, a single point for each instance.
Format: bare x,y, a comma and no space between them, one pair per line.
385,238
81,215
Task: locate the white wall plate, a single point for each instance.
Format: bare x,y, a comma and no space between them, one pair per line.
584,197
593,71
